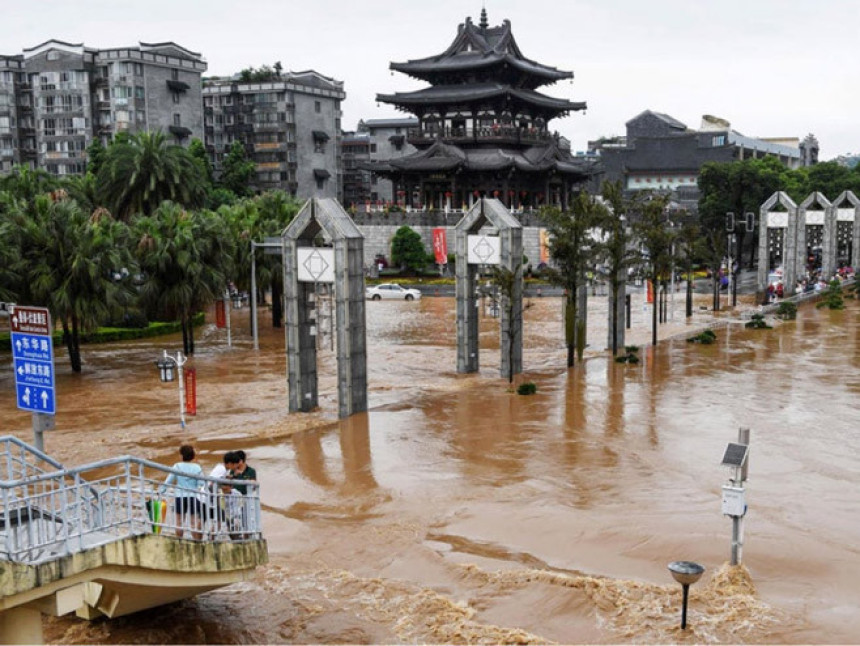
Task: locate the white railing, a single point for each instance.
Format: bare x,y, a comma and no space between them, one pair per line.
46,514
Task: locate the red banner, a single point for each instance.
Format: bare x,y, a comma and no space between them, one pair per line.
191,391
650,296
220,314
440,246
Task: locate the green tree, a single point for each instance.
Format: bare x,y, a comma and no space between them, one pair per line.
690,247
25,184
140,174
653,232
237,171
74,262
407,250
198,151
95,156
11,264
574,249
185,258
615,249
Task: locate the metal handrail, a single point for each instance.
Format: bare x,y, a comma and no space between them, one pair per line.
50,515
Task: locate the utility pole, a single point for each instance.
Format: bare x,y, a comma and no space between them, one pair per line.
734,494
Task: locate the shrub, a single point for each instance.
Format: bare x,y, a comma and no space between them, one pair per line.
787,311
832,297
527,388
705,338
630,355
758,323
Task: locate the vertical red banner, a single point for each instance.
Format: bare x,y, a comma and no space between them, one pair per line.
220,314
440,246
191,391
650,296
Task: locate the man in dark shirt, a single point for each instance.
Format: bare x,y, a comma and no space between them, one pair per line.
239,470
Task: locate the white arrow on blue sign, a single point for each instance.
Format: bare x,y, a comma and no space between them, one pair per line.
33,356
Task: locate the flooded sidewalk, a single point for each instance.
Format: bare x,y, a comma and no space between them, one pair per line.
456,511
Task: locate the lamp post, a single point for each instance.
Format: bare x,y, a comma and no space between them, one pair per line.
686,573
168,366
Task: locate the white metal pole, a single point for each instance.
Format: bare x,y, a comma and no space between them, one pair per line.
672,288
254,295
227,304
180,361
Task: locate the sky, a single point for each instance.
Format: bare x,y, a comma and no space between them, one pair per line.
773,68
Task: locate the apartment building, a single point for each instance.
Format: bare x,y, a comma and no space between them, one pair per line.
289,124
57,97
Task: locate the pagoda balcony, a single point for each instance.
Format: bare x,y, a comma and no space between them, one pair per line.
497,134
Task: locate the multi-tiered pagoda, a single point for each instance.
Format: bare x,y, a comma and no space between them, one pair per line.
483,127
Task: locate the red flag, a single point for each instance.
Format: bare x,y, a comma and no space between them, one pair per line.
650,296
220,314
440,246
191,391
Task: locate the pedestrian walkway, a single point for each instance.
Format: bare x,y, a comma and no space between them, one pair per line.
97,540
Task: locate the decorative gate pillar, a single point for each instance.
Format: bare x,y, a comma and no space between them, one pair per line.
847,229
505,250
306,265
784,222
810,216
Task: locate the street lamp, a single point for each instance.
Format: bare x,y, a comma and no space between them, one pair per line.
686,573
168,366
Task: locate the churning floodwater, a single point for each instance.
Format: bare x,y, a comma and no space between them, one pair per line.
456,511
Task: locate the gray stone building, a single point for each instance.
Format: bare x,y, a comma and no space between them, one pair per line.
290,126
65,95
661,153
355,150
387,141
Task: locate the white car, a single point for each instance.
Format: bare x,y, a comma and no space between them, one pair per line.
391,290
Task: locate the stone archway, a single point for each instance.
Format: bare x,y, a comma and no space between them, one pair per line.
304,267
784,225
505,249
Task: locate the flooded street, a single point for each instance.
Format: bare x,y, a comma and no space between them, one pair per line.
456,511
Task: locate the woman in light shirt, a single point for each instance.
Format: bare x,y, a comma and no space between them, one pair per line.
189,509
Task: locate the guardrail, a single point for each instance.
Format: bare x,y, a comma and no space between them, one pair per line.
46,515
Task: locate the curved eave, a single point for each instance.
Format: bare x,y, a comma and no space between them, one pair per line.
429,68
469,94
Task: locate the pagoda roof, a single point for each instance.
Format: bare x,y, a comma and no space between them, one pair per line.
478,47
446,157
454,94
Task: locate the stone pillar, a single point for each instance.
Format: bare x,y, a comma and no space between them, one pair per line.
763,253
350,326
791,251
467,308
828,242
301,345
511,247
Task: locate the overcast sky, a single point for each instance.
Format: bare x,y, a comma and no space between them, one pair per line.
773,68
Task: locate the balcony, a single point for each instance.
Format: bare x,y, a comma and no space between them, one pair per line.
100,81
486,134
180,132
29,153
177,86
103,105
271,145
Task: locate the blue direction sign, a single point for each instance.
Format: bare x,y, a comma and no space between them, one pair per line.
33,359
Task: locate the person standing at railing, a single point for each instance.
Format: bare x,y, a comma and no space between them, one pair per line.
240,470
189,510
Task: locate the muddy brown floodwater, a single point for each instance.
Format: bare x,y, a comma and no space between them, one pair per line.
456,511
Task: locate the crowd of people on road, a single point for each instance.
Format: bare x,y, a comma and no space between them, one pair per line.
206,507
813,281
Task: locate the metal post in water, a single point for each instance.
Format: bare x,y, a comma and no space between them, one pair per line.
254,295
627,310
227,310
686,573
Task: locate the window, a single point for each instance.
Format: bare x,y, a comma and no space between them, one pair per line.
175,96
317,107
177,119
138,69
138,92
320,183
373,148
174,74
319,146
719,140
53,55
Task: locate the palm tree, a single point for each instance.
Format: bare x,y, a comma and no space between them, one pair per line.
10,249
615,248
573,249
185,258
653,232
73,262
690,247
25,184
139,174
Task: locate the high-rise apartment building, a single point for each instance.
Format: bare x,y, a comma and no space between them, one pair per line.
57,97
289,124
